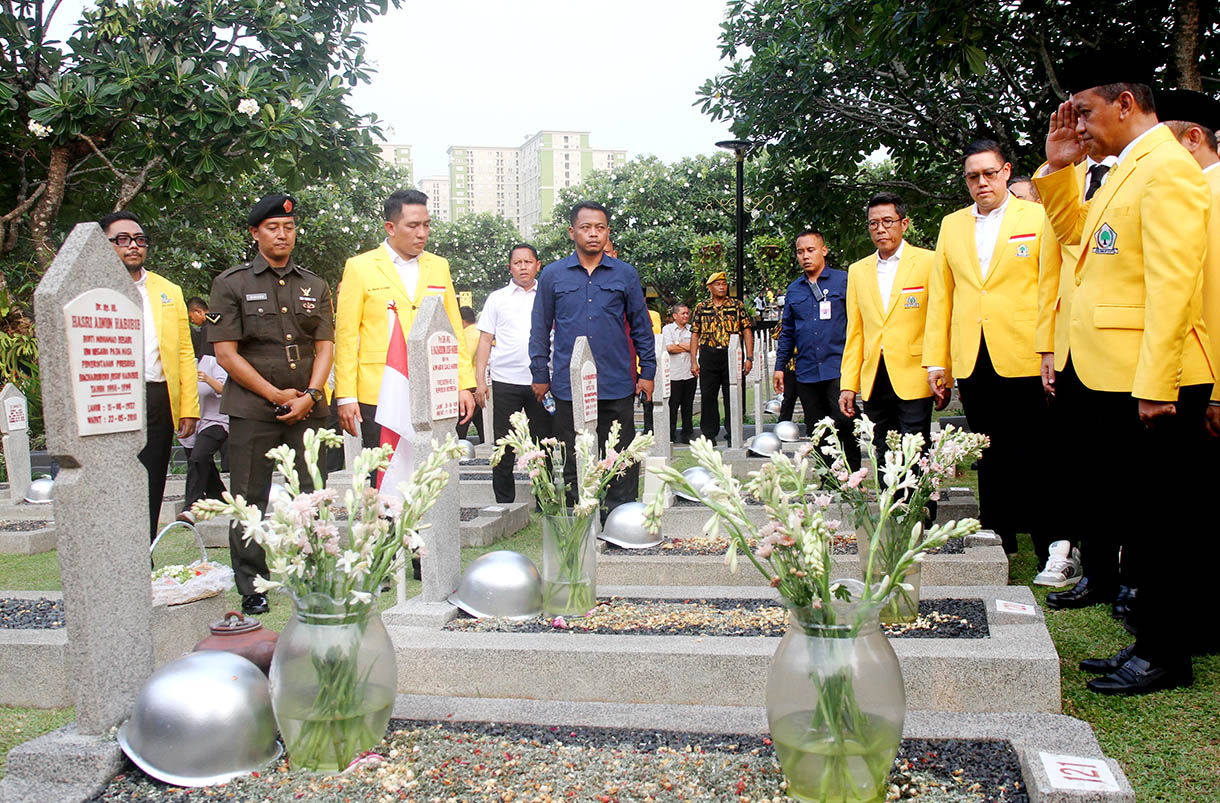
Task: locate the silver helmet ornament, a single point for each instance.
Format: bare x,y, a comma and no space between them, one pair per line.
502,585
625,528
788,431
763,444
697,476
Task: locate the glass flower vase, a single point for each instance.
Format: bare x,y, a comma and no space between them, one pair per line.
569,565
333,679
835,705
902,606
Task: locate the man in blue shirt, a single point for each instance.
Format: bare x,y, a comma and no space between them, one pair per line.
590,294
815,327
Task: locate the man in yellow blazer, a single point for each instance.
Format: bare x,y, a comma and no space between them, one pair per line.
1136,370
170,384
887,305
398,270
982,311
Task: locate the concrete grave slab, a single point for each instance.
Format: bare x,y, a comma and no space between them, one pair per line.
15,426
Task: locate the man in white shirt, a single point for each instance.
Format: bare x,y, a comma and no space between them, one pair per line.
676,338
504,337
171,398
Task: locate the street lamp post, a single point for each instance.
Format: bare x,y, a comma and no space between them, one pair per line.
738,147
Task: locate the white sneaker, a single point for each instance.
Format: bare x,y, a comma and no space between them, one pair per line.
1062,566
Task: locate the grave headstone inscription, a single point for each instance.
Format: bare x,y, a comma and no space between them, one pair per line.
91,359
15,426
663,446
583,374
736,423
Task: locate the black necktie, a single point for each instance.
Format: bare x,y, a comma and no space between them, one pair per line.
1096,173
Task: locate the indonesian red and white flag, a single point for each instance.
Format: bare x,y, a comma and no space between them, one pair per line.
394,409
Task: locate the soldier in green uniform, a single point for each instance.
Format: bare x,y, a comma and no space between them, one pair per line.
271,324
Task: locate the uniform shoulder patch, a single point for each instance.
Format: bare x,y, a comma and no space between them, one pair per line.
212,317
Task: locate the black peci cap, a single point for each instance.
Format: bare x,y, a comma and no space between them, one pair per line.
1102,67
277,205
1189,107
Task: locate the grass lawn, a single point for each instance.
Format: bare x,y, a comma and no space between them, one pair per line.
1168,743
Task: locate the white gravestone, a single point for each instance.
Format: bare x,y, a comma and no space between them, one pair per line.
15,425
736,425
488,413
583,378
432,355
101,511
660,403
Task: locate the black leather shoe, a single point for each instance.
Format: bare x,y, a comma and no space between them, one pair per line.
1137,676
1123,602
254,603
1104,666
1081,595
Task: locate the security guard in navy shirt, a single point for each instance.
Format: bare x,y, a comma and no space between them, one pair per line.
271,324
815,326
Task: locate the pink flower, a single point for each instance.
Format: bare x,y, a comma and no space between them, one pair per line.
559,622
331,546
787,540
857,477
822,500
763,552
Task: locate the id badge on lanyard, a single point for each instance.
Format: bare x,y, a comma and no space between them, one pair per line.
824,306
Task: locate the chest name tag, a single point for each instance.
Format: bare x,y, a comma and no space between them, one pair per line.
256,296
824,310
1107,240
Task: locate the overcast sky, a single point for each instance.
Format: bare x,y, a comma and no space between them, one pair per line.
494,72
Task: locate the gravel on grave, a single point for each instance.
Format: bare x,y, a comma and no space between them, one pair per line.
469,513
31,614
475,461
844,544
23,525
428,761
623,616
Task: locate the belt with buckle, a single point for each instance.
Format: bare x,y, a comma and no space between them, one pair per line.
292,352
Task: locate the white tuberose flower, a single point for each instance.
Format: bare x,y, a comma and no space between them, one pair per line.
248,106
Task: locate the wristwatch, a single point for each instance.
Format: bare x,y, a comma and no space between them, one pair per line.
315,394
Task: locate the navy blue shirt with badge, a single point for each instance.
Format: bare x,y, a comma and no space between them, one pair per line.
274,315
815,326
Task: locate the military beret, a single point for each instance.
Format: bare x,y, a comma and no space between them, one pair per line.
715,277
276,205
1189,107
1102,67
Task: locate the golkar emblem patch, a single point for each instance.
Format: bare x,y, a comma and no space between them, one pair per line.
1106,239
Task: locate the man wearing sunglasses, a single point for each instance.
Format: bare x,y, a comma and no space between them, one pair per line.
171,390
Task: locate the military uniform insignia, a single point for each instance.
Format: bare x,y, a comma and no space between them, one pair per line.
212,317
1106,239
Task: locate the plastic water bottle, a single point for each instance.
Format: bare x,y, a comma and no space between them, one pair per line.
548,401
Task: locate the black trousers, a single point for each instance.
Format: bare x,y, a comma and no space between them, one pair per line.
477,422
624,488
1121,465
250,476
682,398
787,407
891,413
714,382
821,399
370,430
202,477
509,399
158,444
1012,412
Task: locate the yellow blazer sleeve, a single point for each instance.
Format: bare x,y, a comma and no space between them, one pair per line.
465,358
940,306
1066,210
348,313
853,347
1173,228
1050,266
188,399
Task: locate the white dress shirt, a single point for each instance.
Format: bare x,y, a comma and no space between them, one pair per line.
1089,163
987,231
408,270
679,366
507,314
887,270
1211,167
153,371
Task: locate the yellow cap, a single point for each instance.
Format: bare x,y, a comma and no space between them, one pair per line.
715,277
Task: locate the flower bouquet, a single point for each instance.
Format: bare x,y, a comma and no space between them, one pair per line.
900,487
333,675
569,560
835,700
